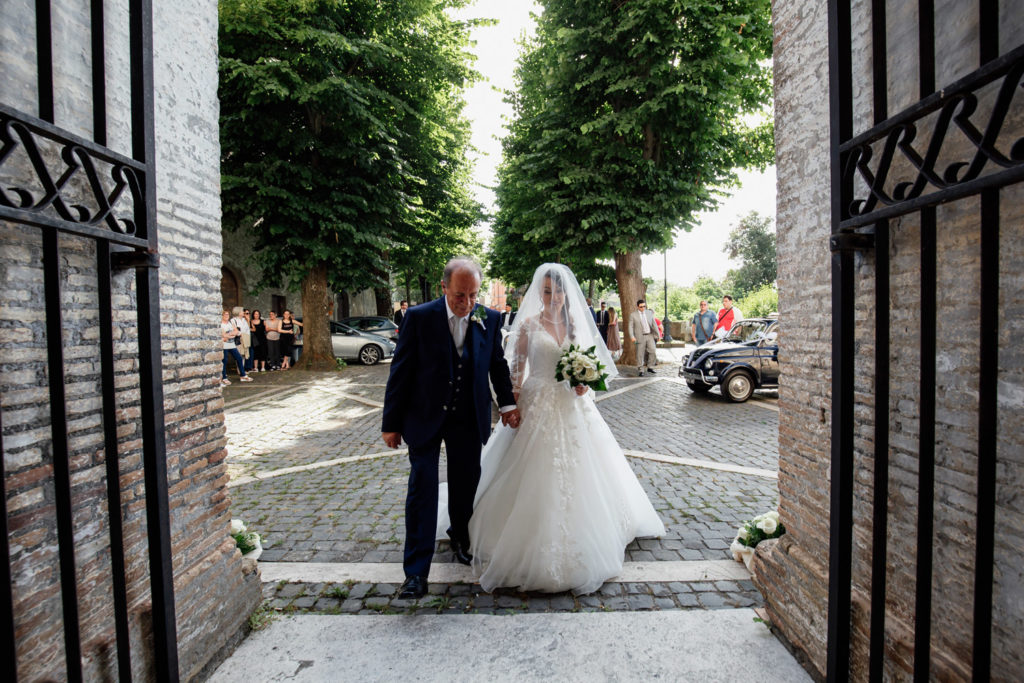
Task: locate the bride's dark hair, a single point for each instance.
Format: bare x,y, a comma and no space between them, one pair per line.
556,281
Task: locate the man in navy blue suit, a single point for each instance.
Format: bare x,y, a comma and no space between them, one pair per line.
438,391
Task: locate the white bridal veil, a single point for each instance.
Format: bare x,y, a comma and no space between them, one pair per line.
582,330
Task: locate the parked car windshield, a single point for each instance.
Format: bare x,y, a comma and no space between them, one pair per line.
747,331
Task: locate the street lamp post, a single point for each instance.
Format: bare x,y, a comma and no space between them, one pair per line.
665,322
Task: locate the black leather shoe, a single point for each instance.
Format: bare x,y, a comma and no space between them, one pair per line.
415,587
461,552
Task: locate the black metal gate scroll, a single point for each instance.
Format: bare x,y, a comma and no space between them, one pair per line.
122,222
869,189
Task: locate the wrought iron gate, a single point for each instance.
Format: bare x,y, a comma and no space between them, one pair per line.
121,243
864,199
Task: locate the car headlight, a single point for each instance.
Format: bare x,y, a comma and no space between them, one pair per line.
708,364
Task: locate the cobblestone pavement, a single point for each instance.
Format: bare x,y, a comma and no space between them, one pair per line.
462,598
352,510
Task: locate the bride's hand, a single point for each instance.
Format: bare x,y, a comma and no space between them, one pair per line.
580,389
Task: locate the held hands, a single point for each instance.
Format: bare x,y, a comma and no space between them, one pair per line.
580,389
511,418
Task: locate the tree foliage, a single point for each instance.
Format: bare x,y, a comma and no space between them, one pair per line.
342,137
753,243
628,120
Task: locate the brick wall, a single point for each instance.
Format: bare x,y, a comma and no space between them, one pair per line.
214,589
793,572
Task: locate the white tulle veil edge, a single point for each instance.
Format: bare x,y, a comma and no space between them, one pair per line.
581,322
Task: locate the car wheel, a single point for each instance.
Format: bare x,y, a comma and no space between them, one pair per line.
738,386
369,355
699,387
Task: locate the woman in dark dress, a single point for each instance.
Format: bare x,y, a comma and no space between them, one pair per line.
288,331
259,342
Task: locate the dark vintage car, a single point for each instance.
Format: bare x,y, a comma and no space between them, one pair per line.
745,360
374,324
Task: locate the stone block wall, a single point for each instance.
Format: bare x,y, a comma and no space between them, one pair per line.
793,572
215,590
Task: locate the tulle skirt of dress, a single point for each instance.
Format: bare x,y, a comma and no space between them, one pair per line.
557,502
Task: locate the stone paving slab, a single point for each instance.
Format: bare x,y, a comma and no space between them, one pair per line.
681,645
441,572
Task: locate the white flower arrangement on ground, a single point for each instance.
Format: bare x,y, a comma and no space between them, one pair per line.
581,368
246,541
761,528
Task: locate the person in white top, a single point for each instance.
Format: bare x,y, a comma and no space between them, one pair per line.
228,333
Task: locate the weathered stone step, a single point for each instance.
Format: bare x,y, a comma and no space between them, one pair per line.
690,645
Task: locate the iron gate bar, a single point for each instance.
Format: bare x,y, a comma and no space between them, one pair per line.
841,446
988,410
131,172
991,71
147,287
99,80
44,59
880,488
111,452
60,455
119,583
926,451
9,668
968,189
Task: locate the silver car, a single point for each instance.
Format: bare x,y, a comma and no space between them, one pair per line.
352,344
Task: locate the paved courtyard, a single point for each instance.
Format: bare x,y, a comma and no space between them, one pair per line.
310,473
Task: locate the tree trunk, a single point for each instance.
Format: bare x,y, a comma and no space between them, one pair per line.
630,280
383,298
424,290
346,306
407,297
317,351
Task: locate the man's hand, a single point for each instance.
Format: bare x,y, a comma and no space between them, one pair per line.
392,439
511,418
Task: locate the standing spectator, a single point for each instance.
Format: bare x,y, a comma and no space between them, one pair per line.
702,327
244,339
288,332
400,313
613,343
590,305
273,326
507,317
602,323
657,323
248,344
727,317
259,342
642,331
228,334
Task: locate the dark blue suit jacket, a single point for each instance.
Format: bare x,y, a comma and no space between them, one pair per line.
421,380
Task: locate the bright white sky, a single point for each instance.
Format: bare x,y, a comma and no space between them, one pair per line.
696,253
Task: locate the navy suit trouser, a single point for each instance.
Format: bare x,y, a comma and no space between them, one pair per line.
462,442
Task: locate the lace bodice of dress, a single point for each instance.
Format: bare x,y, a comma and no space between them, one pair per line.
536,355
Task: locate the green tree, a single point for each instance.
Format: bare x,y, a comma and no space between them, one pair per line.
628,122
753,243
760,302
336,118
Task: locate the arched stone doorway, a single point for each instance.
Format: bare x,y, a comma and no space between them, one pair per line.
230,288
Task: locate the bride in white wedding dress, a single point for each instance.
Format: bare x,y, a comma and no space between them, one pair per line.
557,502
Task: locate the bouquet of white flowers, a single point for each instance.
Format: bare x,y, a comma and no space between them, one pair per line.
581,368
753,532
247,541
